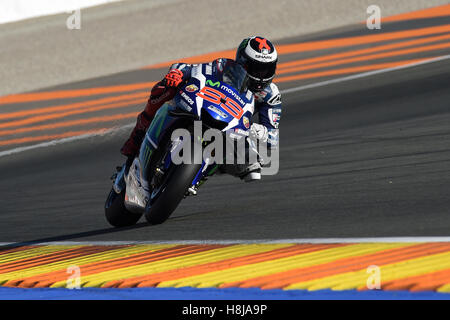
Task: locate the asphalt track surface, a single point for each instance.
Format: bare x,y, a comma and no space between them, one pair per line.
368,157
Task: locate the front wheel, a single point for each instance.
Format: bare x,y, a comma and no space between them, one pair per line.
116,213
172,193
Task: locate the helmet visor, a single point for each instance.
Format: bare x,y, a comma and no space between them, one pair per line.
261,71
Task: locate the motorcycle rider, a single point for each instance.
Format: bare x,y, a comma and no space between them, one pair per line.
259,58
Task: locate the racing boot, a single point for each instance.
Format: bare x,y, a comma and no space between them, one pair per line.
251,172
137,191
245,172
131,149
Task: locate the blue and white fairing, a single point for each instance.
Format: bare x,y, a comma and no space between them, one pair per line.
220,92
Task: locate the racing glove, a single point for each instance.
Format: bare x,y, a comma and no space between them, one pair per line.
173,78
258,132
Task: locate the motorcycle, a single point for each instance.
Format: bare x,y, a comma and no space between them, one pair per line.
216,95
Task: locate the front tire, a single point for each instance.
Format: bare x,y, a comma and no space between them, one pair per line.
172,194
116,213
174,185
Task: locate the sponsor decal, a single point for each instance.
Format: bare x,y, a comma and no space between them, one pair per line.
274,117
186,97
191,88
218,111
264,57
185,105
213,84
276,99
246,122
208,70
248,96
196,72
216,97
236,96
241,132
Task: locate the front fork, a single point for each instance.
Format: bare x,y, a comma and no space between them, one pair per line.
162,121
206,171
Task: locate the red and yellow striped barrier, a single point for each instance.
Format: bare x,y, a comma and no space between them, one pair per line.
336,266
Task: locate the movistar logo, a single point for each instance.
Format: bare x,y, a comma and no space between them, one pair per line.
236,96
213,84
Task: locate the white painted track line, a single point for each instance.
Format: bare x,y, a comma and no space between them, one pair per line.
61,141
228,242
364,75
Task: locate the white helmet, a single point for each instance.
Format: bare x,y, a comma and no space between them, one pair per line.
259,57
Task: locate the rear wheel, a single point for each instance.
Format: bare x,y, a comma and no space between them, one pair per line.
116,213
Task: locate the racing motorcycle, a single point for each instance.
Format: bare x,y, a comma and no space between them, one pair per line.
216,95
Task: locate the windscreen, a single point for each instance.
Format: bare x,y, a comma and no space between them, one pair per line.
235,75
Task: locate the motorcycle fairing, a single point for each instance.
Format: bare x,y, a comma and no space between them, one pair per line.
190,102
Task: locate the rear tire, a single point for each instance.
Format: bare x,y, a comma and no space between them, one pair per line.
116,213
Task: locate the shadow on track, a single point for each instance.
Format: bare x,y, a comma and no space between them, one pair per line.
83,234
72,236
